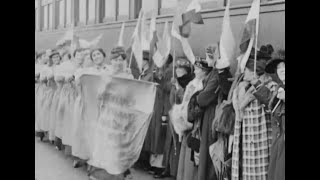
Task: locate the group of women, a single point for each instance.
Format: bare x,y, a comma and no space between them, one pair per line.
206,124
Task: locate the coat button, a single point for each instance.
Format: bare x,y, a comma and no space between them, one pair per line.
278,135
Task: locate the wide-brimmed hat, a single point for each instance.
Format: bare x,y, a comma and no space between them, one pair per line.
272,65
54,52
261,54
118,51
202,63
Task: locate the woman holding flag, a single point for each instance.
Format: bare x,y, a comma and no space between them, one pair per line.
252,131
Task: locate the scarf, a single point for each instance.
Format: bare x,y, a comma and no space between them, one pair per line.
185,79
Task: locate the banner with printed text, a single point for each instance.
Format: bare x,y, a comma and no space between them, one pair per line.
122,109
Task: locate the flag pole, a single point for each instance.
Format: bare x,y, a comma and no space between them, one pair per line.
130,60
256,42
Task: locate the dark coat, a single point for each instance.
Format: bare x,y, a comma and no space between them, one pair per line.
277,159
207,100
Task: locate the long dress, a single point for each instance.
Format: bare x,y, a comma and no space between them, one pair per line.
252,133
277,159
45,98
83,128
207,100
67,99
78,143
55,101
37,87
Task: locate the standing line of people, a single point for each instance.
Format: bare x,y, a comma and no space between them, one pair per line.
189,136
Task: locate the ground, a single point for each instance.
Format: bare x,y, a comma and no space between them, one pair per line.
51,164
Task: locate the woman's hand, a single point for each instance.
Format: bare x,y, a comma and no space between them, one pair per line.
281,94
196,158
173,80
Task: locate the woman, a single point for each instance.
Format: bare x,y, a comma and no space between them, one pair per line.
46,93
276,103
98,67
252,131
38,85
187,163
119,64
207,99
184,74
118,69
155,138
170,158
58,81
80,148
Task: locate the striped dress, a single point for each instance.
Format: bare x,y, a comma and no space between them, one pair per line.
252,137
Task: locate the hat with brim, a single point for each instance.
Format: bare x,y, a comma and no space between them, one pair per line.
260,55
202,64
118,51
54,53
272,65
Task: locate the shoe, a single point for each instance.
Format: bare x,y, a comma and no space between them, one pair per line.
163,174
76,164
152,171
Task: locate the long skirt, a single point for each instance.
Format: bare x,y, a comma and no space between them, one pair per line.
186,168
53,113
252,144
39,106
171,151
36,95
80,147
67,99
45,105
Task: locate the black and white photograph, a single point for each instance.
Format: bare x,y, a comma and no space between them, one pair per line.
159,89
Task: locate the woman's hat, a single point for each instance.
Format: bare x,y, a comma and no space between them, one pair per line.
260,66
272,65
182,62
202,63
118,51
54,53
262,54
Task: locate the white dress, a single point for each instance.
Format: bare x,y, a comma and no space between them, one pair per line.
66,103
37,87
59,80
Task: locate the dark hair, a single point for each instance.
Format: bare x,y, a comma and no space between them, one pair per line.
77,51
98,49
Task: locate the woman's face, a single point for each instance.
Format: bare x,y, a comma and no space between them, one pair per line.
118,64
210,60
248,75
97,57
281,71
56,59
78,57
180,72
199,72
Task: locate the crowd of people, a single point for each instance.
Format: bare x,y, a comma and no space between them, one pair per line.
208,124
